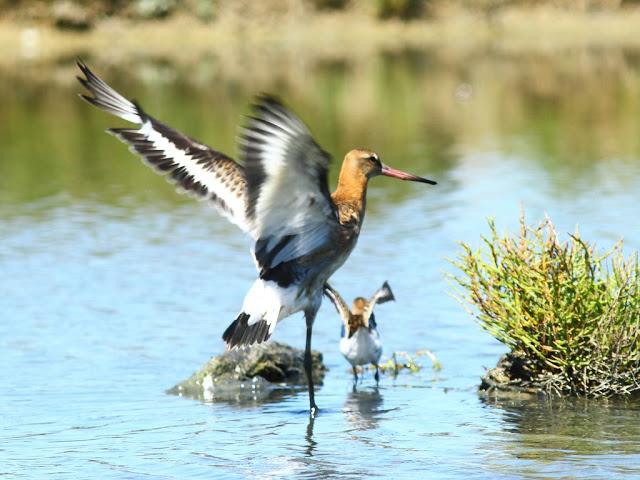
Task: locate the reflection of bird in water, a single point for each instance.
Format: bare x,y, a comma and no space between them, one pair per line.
362,407
360,341
280,197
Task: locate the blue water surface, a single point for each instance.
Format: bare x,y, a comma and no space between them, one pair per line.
110,297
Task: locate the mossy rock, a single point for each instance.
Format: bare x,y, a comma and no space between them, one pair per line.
251,373
512,375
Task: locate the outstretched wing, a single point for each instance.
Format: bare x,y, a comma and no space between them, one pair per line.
193,167
288,202
384,294
341,306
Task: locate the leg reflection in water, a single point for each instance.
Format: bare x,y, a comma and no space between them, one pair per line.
311,443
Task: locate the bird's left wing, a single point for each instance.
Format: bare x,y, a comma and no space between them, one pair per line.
382,295
192,167
338,302
288,201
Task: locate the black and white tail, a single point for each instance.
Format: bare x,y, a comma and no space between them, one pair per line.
265,304
241,333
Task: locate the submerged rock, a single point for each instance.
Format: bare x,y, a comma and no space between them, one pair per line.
251,373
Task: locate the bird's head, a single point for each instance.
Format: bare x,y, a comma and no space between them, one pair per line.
368,164
359,304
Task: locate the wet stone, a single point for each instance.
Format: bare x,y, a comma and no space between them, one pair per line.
251,373
511,376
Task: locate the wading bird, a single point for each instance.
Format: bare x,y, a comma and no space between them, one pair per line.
279,196
360,341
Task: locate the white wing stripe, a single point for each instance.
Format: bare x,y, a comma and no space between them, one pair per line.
199,171
191,166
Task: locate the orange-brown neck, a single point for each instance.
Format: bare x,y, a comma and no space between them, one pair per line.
351,189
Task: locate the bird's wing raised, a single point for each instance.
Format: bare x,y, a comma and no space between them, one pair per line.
338,302
288,203
191,166
384,294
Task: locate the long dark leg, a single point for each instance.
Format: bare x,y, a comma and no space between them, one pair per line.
308,363
355,374
377,375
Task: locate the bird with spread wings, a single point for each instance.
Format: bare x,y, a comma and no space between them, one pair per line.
301,234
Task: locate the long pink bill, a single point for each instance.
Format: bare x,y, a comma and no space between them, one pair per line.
392,172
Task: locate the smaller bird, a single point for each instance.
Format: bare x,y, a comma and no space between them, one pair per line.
360,341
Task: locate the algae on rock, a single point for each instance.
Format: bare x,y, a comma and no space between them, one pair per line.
251,373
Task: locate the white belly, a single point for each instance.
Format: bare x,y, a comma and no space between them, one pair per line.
362,348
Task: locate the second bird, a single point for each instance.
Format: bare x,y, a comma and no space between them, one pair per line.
360,341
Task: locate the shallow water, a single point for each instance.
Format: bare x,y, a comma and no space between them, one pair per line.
113,288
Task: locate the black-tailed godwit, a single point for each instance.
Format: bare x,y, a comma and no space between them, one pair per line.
301,233
360,341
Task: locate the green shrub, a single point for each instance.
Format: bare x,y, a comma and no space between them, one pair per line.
572,313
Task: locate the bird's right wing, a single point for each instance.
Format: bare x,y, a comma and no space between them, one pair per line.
382,295
288,200
192,167
339,303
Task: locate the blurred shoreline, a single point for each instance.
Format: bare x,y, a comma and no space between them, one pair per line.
556,88
254,42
